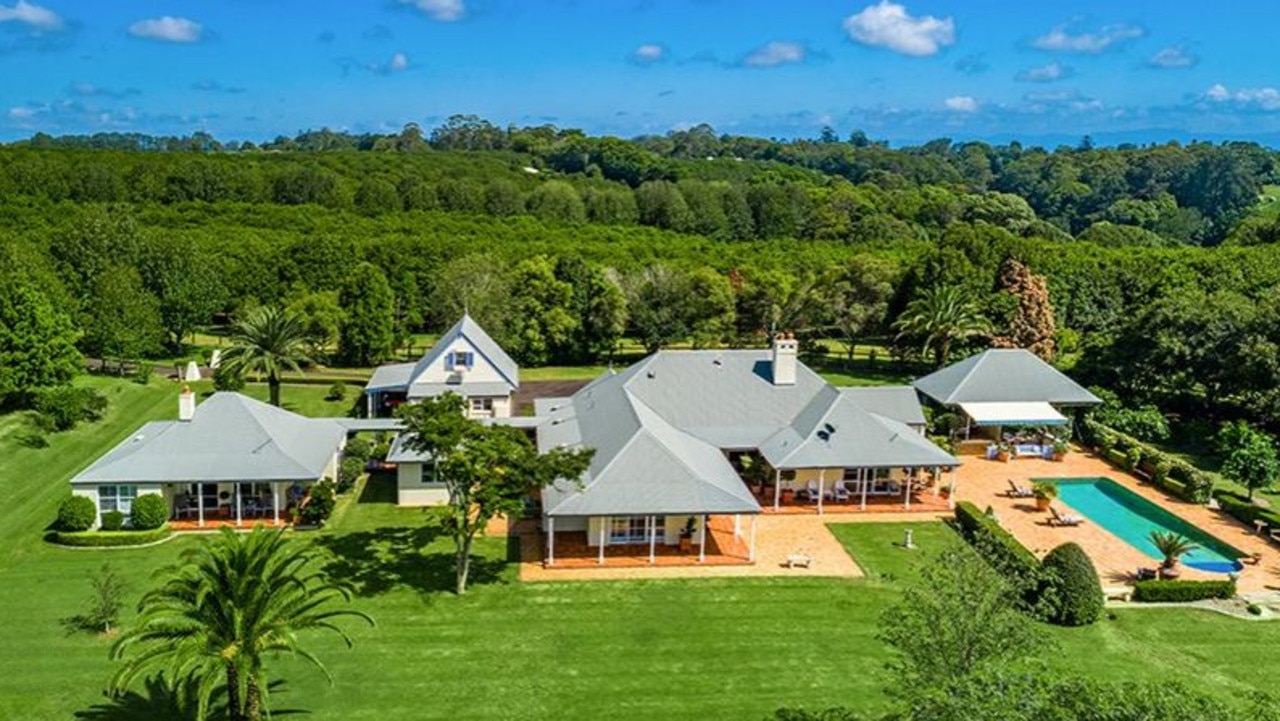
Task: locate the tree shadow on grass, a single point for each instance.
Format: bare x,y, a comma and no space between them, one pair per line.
384,559
159,701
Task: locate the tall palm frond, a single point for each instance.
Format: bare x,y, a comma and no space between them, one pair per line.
940,317
268,341
229,605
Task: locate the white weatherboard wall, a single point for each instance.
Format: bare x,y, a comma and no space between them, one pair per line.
91,492
482,372
672,525
412,491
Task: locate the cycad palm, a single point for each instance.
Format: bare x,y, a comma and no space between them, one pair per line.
941,316
269,340
230,604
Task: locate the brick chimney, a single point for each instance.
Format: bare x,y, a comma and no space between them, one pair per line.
785,352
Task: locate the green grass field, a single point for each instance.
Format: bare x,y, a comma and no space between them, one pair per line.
717,648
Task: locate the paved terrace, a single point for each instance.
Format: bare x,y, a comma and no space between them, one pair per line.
985,484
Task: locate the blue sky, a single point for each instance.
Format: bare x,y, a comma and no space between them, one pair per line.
906,71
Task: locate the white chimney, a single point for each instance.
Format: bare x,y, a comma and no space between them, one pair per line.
186,404
785,351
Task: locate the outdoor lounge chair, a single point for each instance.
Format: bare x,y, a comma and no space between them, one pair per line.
1063,519
1274,533
1016,491
840,493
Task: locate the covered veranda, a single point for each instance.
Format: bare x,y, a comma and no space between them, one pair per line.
1026,428
864,490
650,540
239,503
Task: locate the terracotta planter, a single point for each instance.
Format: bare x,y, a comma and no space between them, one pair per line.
1003,456
1042,504
1059,456
686,544
788,495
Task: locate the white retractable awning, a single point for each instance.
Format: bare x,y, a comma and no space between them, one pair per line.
1013,414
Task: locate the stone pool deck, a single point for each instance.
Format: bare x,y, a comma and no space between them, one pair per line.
986,483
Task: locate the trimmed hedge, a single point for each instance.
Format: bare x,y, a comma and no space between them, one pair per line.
1005,554
150,510
1238,506
110,539
112,521
1072,594
77,513
1159,591
1167,472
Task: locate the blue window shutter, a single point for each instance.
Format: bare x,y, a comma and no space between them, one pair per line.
448,360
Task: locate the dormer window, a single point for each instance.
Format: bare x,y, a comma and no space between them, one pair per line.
460,358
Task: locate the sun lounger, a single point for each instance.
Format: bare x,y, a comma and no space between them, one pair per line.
1063,519
1016,491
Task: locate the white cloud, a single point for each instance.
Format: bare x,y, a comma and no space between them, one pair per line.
398,62
889,25
1175,56
648,53
1045,73
962,103
20,112
1108,37
442,10
1259,98
774,54
32,15
168,29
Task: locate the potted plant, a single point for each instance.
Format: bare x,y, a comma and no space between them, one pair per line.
1044,492
686,536
1003,451
1059,449
1172,546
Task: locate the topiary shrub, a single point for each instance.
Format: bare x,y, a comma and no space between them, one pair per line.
337,392
1160,591
112,521
150,510
142,373
1072,594
77,513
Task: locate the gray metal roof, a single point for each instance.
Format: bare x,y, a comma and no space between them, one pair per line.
1003,375
355,425
231,438
484,344
391,377
901,403
660,429
465,388
400,453
845,435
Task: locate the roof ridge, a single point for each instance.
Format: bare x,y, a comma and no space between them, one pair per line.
981,358
255,409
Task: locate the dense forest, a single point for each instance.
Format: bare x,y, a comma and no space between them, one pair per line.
1153,270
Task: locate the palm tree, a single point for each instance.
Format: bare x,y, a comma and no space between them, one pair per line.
226,607
269,340
1172,546
941,316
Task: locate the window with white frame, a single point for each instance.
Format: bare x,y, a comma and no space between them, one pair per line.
116,498
632,529
481,405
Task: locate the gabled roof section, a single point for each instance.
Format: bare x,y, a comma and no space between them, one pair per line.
231,438
480,340
838,432
1009,375
901,403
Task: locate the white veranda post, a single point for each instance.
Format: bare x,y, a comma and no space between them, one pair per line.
864,477
822,487
906,495
200,504
551,540
653,537
777,488
751,549
275,503
237,490
604,523
951,494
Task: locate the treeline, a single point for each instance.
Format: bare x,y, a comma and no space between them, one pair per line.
694,180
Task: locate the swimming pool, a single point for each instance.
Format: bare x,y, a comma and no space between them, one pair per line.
1132,518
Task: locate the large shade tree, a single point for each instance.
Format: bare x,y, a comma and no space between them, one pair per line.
938,319
487,470
37,339
268,341
231,605
367,334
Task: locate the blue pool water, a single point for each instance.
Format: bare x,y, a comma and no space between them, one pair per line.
1132,518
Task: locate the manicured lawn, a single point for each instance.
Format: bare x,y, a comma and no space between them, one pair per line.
715,649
